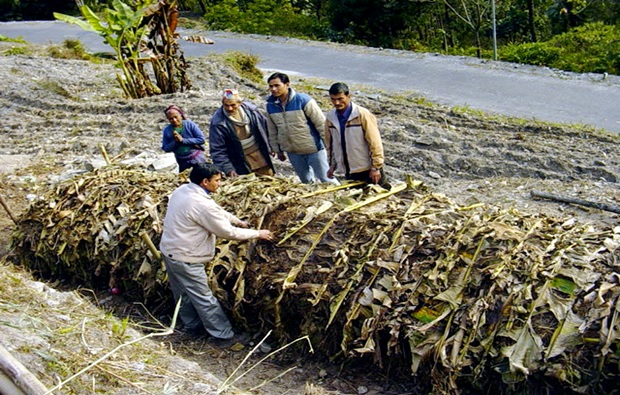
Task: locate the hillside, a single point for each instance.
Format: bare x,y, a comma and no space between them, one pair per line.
57,113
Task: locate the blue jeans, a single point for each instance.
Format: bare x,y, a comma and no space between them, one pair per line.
311,166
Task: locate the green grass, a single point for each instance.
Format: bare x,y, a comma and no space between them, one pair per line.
13,51
19,39
54,87
244,64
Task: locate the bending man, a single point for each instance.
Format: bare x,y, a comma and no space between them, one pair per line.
192,222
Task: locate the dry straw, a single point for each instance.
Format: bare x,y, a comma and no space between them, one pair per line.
474,297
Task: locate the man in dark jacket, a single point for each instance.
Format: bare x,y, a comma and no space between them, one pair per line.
238,141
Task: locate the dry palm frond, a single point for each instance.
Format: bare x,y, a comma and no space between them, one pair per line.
95,229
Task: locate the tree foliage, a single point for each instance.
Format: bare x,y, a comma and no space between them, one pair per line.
262,17
594,47
447,26
526,30
33,10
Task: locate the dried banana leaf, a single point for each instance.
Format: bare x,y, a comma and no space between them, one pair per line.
475,299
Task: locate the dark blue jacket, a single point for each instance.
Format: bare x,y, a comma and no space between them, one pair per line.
192,136
189,152
225,147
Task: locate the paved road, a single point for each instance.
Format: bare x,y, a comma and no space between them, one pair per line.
496,87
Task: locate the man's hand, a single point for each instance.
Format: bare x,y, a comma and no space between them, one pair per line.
244,224
265,234
375,175
232,174
281,156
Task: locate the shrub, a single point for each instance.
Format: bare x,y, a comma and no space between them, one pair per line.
17,51
262,17
244,64
71,49
224,16
13,40
538,54
594,47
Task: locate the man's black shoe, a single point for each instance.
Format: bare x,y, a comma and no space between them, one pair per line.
239,340
194,332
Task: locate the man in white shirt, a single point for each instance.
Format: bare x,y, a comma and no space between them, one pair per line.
192,222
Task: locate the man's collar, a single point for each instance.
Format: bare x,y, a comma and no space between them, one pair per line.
346,112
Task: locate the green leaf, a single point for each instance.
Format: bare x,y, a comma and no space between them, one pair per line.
94,20
563,284
426,315
75,21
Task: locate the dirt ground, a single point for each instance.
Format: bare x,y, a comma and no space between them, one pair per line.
57,113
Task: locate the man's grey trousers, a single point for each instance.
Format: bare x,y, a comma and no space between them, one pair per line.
199,306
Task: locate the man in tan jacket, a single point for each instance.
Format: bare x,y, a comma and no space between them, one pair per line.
353,140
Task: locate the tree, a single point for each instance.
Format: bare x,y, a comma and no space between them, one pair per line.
376,23
474,13
145,28
32,10
312,7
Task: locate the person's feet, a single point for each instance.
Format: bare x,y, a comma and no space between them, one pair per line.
194,332
239,340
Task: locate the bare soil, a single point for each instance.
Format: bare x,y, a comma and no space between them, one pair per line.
56,113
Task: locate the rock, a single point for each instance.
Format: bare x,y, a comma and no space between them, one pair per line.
94,164
164,163
434,175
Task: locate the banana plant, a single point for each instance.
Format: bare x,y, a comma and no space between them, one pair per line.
124,28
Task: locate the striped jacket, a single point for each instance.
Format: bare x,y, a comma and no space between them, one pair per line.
297,128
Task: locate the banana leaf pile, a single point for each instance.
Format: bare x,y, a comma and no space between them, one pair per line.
463,298
477,297
95,231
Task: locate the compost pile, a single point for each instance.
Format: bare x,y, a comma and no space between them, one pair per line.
462,297
97,230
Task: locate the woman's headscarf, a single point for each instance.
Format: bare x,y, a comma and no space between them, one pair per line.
175,108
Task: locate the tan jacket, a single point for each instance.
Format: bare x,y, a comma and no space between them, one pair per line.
363,141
